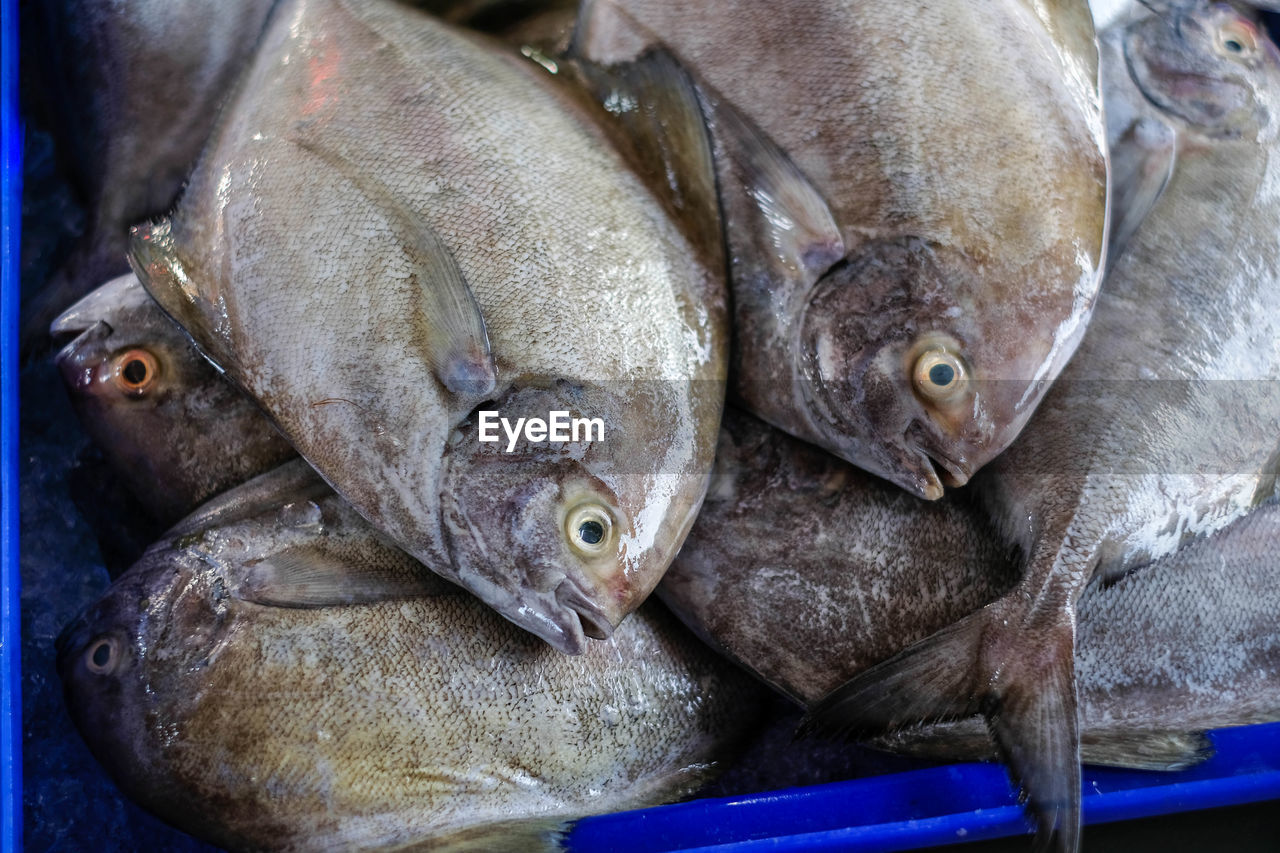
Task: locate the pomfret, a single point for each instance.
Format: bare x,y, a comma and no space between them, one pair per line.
914,200
172,429
1165,426
399,226
809,571
423,719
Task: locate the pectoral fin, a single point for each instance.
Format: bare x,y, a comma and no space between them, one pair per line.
309,577
793,222
292,481
1027,696
1142,162
455,342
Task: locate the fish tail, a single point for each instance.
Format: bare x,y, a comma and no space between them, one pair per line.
1021,682
1034,723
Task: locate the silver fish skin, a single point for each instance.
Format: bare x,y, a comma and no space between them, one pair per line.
399,225
173,430
808,572
136,86
1163,427
226,688
914,198
1192,643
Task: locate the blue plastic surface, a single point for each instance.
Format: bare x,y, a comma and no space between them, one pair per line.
941,805
10,621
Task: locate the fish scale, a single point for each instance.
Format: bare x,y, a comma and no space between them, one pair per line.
1191,643
422,719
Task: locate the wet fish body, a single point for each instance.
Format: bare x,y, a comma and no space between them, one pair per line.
168,424
222,700
135,88
915,213
1164,425
808,572
397,226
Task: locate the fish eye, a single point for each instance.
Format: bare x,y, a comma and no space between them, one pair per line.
135,371
589,527
939,375
102,656
1236,38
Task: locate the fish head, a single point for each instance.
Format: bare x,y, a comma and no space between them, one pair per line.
1205,65
571,536
172,427
127,354
903,373
100,662
134,667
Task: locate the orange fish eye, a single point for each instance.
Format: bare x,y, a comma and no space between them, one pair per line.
135,371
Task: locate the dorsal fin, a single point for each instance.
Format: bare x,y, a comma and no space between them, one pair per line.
1070,25
651,111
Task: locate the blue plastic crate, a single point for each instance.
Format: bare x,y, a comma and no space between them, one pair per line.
10,643
901,811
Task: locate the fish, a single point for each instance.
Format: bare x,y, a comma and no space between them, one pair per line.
915,201
275,674
808,571
133,89
1191,644
1163,427
400,227
171,428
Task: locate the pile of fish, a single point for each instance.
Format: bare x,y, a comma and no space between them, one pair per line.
632,293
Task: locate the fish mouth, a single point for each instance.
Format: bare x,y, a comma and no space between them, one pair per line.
593,621
564,619
934,469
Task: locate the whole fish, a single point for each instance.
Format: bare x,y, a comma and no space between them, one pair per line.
808,571
173,430
422,718
914,198
1166,424
398,228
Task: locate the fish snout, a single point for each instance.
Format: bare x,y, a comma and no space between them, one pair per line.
595,622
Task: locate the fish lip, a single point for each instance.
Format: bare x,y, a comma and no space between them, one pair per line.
938,468
593,621
71,322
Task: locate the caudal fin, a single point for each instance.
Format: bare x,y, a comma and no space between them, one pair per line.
1022,681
